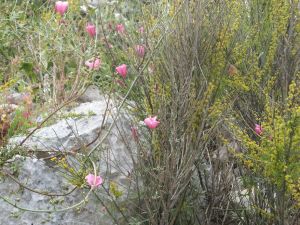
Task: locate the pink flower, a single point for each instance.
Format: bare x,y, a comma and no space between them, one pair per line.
93,64
91,29
61,7
258,129
122,70
151,122
140,50
120,28
141,30
93,181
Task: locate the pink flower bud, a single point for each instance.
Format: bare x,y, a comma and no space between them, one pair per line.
141,30
26,114
62,22
61,7
121,83
109,26
122,70
140,50
106,43
91,29
120,28
110,45
258,129
151,68
93,64
134,133
151,122
93,181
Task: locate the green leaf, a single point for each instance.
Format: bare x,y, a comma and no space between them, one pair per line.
29,70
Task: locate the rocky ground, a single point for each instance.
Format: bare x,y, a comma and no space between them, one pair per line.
80,129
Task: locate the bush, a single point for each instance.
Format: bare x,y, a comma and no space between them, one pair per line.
221,77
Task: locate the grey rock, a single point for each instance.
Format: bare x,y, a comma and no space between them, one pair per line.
37,175
70,133
113,161
92,93
17,98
